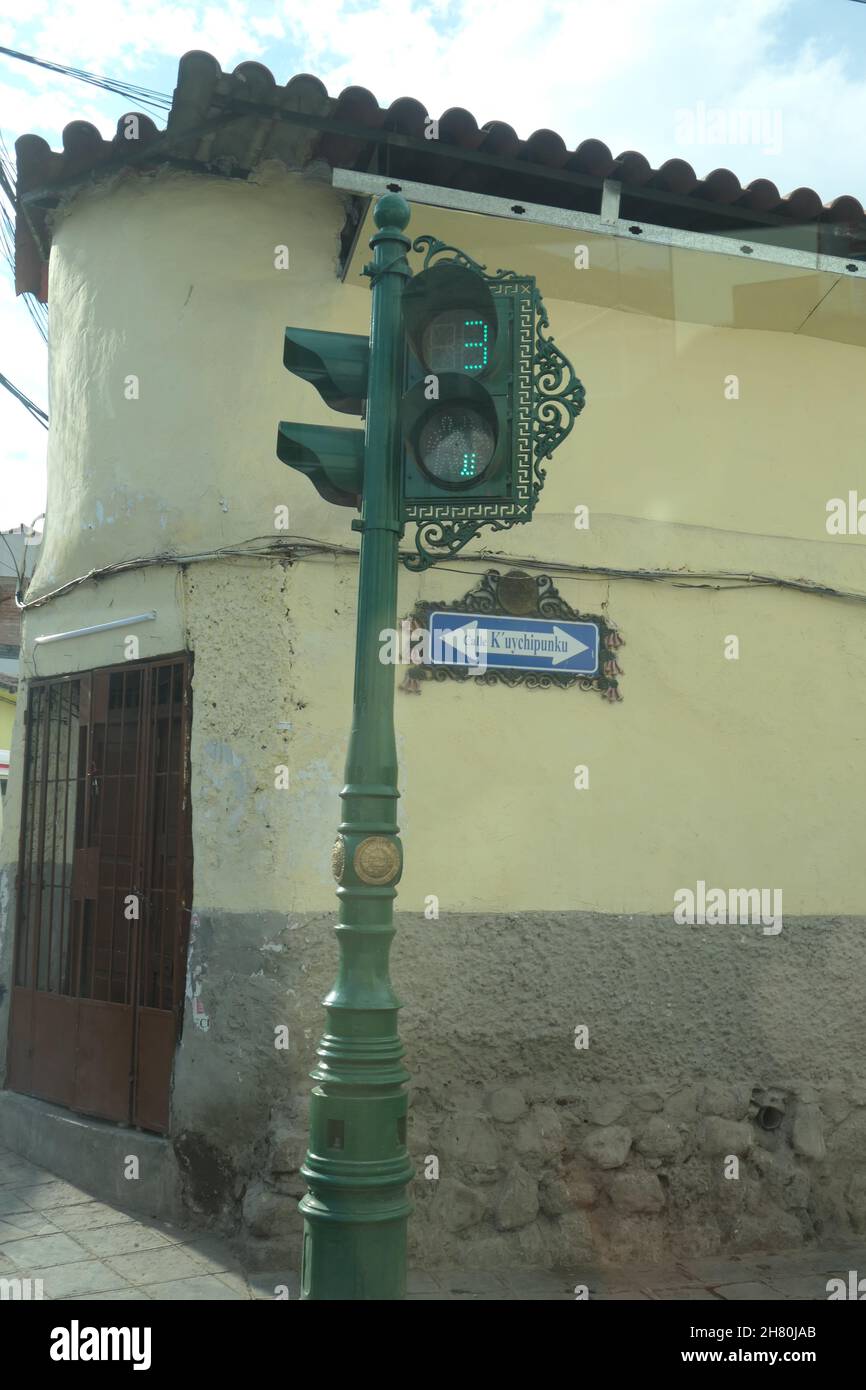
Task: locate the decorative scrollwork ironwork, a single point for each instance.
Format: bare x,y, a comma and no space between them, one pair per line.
520,594
435,248
437,540
558,398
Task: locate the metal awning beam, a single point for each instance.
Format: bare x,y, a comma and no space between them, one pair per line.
607,223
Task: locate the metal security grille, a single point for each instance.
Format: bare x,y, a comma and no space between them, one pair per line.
104,891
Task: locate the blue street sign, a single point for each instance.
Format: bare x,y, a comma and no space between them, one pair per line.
484,640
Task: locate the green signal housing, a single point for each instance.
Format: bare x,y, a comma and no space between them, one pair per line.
337,365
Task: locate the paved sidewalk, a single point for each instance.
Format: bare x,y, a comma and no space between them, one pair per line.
797,1275
84,1249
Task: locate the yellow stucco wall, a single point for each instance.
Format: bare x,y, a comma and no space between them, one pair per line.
742,773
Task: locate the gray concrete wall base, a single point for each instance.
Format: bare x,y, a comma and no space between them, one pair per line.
95,1156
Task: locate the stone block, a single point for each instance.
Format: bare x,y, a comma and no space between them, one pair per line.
506,1104
288,1150
540,1133
636,1192
847,1143
554,1196
582,1188
807,1135
649,1101
517,1204
835,1103
607,1147
722,1136
682,1106
470,1140
572,1243
604,1110
730,1101
458,1206
659,1138
269,1214
855,1201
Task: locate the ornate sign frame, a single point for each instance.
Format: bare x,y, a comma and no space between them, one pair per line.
518,594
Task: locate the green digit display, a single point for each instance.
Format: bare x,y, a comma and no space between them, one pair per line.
476,327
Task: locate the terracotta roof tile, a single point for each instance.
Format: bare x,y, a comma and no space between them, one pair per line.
226,123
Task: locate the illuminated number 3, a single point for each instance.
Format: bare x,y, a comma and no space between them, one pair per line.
477,342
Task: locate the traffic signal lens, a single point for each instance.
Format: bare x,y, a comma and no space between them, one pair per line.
457,341
455,445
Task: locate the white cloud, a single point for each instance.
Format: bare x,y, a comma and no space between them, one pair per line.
618,71
113,36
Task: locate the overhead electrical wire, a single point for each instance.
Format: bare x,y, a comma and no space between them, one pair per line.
292,548
8,203
144,96
20,574
36,411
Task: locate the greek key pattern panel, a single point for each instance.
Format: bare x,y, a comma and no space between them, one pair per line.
519,508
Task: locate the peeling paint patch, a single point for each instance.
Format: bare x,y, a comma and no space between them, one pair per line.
4,906
194,924
228,775
194,978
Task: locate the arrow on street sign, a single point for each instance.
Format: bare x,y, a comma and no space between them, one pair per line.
482,641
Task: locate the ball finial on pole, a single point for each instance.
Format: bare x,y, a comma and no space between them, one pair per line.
391,211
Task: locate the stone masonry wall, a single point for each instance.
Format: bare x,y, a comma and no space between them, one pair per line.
616,1174
527,1148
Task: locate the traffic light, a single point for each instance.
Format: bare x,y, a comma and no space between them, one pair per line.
488,397
337,364
458,376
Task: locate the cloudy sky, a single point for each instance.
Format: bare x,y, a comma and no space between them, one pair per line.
629,72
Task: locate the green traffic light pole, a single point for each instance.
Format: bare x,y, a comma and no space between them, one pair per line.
357,1166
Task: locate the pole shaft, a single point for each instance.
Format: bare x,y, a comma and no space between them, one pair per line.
357,1166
